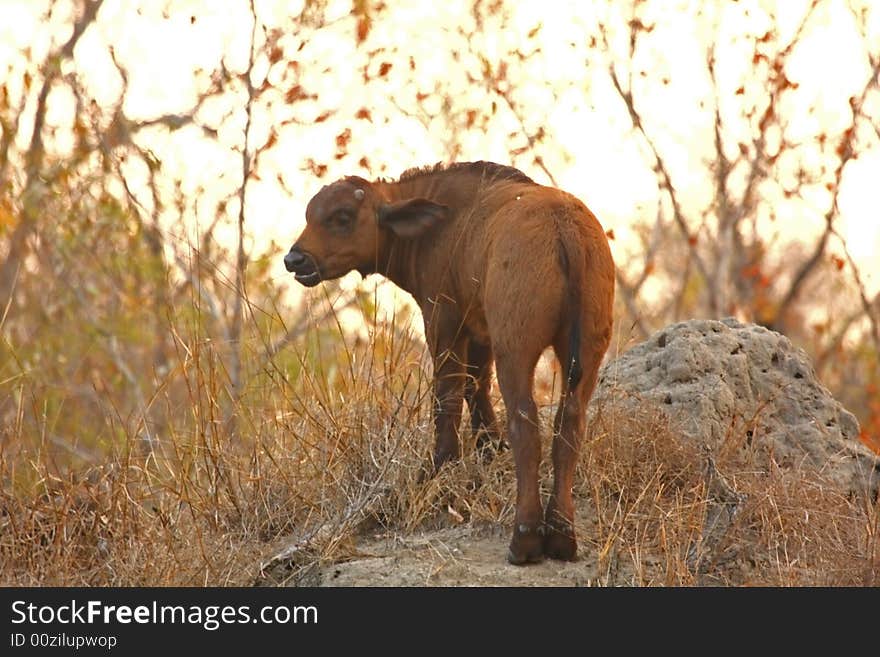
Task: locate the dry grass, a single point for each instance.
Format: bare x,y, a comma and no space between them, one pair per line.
652,495
328,443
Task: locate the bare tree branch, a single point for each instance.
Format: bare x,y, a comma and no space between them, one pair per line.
235,330
666,181
35,153
10,130
846,151
727,246
830,349
51,71
628,293
531,138
779,83
867,306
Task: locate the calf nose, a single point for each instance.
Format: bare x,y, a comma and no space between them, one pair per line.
294,259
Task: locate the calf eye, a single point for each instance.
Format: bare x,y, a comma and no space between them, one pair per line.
340,220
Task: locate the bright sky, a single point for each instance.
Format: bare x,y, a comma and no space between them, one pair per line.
594,155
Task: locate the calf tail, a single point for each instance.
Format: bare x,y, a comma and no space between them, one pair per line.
572,265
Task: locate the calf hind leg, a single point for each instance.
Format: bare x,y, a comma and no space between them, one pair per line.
569,427
515,375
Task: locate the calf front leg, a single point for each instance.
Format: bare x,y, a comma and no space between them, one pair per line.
449,380
479,381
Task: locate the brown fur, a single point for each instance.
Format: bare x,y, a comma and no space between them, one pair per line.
502,268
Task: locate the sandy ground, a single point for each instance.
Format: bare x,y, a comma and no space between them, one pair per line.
463,555
458,556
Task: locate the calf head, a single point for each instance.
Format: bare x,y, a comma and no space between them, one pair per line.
349,224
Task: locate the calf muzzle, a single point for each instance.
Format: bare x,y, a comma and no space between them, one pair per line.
302,266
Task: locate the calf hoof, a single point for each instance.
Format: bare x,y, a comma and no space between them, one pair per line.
526,546
432,468
488,446
559,541
562,547
428,471
442,457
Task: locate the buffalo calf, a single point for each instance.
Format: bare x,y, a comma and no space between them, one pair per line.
502,268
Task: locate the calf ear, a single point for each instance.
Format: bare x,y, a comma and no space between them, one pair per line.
412,218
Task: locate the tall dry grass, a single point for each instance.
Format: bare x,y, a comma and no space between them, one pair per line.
126,458
334,434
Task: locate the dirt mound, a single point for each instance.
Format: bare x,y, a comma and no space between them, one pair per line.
717,380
